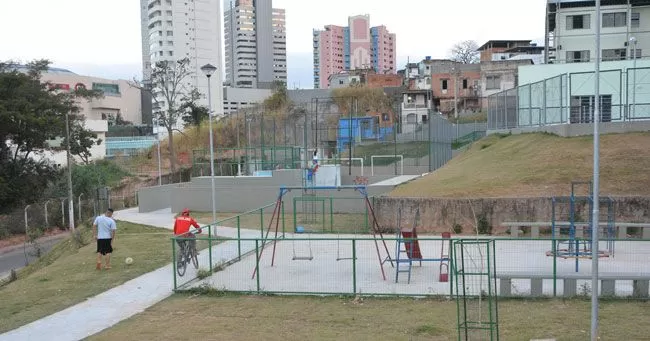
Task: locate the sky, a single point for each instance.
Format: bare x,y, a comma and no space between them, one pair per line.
102,38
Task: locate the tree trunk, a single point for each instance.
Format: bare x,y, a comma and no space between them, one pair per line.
172,152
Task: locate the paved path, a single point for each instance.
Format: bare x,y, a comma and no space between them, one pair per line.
120,303
18,256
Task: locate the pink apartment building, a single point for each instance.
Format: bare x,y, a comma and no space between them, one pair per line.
357,46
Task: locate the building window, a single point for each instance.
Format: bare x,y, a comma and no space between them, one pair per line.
444,84
635,20
614,54
577,56
464,83
492,82
638,54
107,89
582,109
578,22
618,19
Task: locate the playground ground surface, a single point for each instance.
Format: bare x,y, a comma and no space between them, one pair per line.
219,316
324,274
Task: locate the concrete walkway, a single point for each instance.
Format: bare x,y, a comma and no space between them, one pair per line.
122,302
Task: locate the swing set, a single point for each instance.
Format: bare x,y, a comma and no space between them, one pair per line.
275,220
406,237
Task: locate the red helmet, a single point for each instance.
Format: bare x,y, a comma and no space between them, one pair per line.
186,211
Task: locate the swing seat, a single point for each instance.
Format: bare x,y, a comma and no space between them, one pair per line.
301,230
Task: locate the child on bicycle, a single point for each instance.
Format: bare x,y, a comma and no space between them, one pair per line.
182,225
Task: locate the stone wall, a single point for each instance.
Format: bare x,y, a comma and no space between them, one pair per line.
441,214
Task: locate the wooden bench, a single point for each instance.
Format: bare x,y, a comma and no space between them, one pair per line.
535,226
640,282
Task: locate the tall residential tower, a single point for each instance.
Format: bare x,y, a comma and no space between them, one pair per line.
255,44
357,46
174,30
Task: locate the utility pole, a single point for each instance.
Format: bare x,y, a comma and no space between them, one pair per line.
70,198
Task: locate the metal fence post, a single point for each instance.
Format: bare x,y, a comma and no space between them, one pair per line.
354,266
257,262
47,223
238,237
174,262
210,246
79,205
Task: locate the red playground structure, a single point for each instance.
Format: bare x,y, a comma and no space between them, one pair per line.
409,238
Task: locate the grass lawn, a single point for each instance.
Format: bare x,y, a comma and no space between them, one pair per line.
538,165
233,317
67,275
413,149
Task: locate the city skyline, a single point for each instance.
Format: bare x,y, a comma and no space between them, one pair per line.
112,48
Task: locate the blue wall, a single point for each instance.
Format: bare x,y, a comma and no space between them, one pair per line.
363,128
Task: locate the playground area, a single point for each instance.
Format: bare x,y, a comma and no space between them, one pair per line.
290,254
327,273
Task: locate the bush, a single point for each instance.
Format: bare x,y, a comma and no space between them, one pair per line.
458,228
484,226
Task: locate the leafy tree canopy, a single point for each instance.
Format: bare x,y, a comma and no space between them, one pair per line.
33,114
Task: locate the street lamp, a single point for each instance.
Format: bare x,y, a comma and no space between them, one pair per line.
208,70
157,126
634,42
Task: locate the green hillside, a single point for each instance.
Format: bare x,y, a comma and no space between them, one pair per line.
538,165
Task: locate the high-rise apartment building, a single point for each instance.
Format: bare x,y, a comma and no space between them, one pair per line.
173,30
255,44
357,46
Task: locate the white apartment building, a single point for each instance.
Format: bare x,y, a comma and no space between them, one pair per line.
177,29
572,28
255,44
120,98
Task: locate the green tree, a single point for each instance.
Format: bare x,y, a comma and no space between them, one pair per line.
361,99
171,97
193,114
33,114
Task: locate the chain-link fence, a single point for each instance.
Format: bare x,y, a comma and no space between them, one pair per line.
342,132
569,98
302,248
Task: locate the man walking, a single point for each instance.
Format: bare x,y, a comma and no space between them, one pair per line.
104,232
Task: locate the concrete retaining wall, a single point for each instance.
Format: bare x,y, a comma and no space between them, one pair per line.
238,194
440,214
155,198
581,129
248,198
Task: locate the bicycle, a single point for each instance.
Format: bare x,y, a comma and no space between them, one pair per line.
187,253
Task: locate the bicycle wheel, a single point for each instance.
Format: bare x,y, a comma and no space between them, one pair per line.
181,262
195,259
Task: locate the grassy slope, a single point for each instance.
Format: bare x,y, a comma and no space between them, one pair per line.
331,318
539,165
67,275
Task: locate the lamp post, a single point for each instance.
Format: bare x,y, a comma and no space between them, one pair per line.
455,71
158,145
415,104
208,70
634,42
596,189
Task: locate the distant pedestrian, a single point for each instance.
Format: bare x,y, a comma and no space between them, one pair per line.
104,232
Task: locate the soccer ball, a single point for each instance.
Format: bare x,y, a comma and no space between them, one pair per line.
128,261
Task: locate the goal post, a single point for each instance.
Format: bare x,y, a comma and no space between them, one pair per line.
373,157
